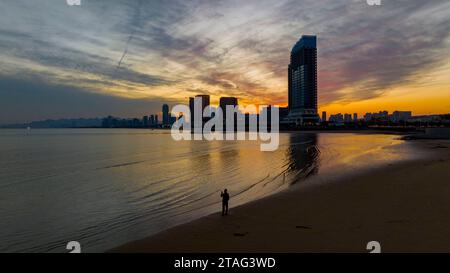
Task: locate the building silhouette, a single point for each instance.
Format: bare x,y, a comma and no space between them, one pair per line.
165,113
205,99
302,82
223,103
347,118
151,120
145,122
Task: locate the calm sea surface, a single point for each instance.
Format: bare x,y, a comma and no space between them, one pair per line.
107,187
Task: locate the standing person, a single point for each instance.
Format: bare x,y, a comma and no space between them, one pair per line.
225,197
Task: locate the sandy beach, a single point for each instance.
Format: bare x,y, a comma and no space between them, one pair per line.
404,206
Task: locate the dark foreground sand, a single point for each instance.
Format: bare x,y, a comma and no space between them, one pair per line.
406,207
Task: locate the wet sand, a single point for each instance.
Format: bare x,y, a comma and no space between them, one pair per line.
404,206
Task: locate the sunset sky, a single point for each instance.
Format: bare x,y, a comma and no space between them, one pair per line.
127,58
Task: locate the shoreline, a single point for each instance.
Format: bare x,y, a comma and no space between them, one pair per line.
404,206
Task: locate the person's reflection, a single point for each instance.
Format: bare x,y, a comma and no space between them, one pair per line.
302,155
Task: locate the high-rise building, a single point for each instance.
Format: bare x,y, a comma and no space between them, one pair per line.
324,116
191,108
337,118
156,120
355,117
302,81
347,118
398,116
205,99
224,102
145,121
152,120
165,113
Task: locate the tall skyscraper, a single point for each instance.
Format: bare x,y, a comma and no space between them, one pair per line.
165,113
223,102
205,102
324,116
152,120
302,81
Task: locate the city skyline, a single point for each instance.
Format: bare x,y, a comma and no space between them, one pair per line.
76,63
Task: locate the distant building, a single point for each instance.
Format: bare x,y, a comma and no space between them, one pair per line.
145,122
205,103
152,120
156,120
368,117
165,113
324,116
223,103
355,117
136,123
426,118
337,118
347,118
302,81
399,116
191,109
380,116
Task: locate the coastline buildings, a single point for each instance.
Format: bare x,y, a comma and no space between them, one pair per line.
302,82
384,116
380,118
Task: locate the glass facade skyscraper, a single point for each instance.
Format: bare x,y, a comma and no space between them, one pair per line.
302,81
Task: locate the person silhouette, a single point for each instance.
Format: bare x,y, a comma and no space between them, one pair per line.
225,197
